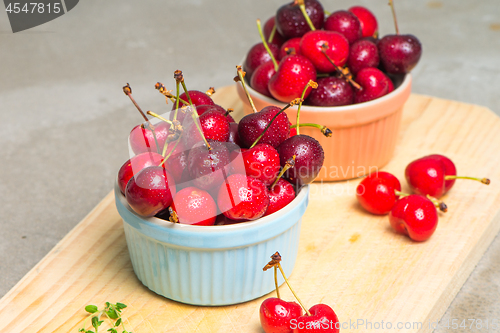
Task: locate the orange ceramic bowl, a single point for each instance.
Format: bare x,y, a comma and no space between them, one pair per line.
364,135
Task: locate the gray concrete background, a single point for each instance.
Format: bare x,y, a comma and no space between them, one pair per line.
64,118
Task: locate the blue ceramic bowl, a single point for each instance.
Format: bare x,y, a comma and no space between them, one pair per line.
211,265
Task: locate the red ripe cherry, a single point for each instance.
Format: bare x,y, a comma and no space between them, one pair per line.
278,39
150,191
243,198
309,158
280,195
415,216
201,109
426,177
134,165
434,175
262,162
207,167
346,23
261,77
337,49
368,21
399,54
331,91
449,170
362,53
176,163
291,46
374,84
293,74
252,125
257,56
214,125
194,206
142,140
276,314
322,319
376,193
290,20
197,97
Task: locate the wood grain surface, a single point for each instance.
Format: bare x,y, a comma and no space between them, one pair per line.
347,258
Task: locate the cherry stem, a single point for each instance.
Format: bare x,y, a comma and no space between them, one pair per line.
170,153
485,181
128,91
325,130
194,115
291,289
174,218
151,113
276,282
266,46
179,77
292,103
210,91
241,78
346,74
271,35
177,94
311,84
302,7
438,204
289,164
175,99
391,3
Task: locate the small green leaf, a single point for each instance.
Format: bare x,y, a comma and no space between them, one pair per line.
118,322
107,304
120,306
91,308
112,314
112,330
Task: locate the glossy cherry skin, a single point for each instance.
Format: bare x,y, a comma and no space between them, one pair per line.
280,195
262,162
291,23
234,137
142,140
338,49
207,168
449,169
426,177
135,164
293,74
309,158
150,191
291,46
363,53
257,56
197,97
368,21
376,193
278,39
323,319
261,77
252,125
399,54
201,109
243,198
346,23
374,84
331,91
415,216
194,206
276,314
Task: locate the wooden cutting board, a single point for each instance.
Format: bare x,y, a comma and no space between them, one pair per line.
347,258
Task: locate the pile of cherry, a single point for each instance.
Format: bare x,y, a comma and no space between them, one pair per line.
415,215
196,165
341,52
